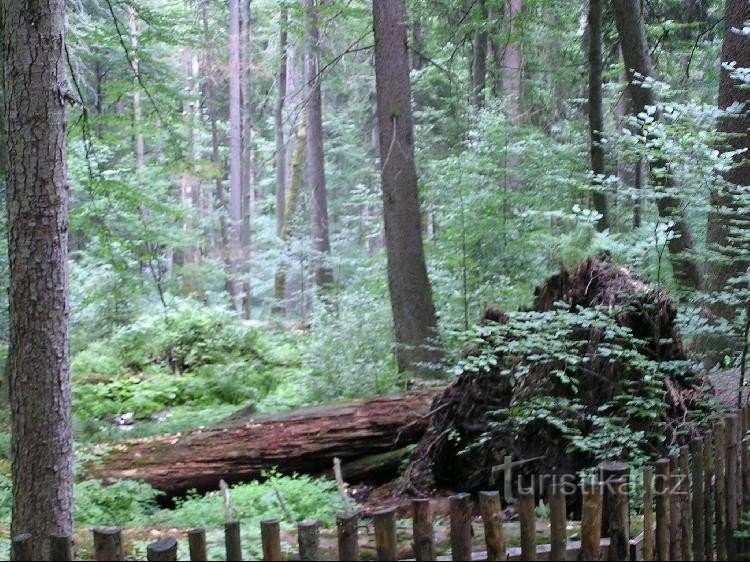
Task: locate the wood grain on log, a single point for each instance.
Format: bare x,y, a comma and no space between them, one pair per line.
302,440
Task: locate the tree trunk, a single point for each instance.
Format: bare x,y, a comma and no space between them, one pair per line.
248,168
726,219
596,115
278,117
496,46
303,440
629,19
290,209
512,64
411,296
417,45
34,84
235,155
140,153
188,180
315,155
221,202
479,59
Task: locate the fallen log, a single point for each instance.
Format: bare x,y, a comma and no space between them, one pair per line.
303,440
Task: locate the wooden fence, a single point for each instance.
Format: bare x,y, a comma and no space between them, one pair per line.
693,504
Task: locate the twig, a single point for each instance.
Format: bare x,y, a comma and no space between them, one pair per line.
284,508
341,484
228,509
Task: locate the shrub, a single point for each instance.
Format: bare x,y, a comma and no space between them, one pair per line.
116,503
304,496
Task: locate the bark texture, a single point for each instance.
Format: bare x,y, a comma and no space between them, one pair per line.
235,154
411,296
629,18
303,440
278,118
726,215
33,36
248,157
512,63
316,175
596,115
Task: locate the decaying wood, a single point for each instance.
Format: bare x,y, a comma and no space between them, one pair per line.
304,440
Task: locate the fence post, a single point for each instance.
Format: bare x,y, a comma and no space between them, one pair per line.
686,522
233,541
558,532
270,538
197,545
61,548
460,506
745,456
699,508
489,508
708,493
662,491
619,520
591,521
675,510
648,513
385,533
347,536
612,470
163,550
720,483
528,523
422,529
732,432
21,547
308,539
107,544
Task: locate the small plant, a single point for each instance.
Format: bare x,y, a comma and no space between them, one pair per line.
116,503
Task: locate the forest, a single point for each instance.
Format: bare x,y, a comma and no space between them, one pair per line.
293,259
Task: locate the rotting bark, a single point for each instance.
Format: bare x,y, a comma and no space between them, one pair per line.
304,440
471,408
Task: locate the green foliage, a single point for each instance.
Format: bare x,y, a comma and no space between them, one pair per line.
350,348
192,356
116,503
304,497
630,425
6,496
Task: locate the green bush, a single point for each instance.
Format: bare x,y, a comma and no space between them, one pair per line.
197,356
187,336
116,503
304,496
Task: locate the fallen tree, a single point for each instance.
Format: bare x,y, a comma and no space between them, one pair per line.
304,440
595,371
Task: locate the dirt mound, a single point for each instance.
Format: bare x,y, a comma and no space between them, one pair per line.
597,365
